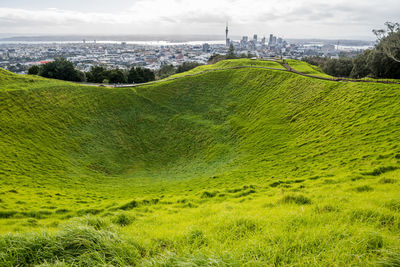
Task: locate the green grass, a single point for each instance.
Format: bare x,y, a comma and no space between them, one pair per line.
306,68
229,64
226,168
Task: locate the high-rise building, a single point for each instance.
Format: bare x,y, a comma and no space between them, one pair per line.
206,47
244,41
226,35
255,37
271,38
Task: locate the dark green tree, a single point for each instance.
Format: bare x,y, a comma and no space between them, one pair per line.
97,74
34,70
165,71
140,75
316,60
360,65
231,52
338,67
133,76
389,40
148,75
382,66
61,69
117,76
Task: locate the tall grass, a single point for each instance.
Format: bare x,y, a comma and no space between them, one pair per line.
233,167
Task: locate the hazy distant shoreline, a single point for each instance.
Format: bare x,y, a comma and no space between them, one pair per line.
163,40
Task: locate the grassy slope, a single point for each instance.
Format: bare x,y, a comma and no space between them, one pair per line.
230,166
306,68
231,63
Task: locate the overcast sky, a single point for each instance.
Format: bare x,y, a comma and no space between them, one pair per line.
350,19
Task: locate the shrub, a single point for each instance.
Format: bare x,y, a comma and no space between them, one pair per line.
381,170
374,241
130,205
4,214
387,181
123,219
275,184
364,188
296,199
207,194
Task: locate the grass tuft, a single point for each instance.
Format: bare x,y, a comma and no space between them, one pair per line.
363,188
381,170
130,205
207,194
295,199
76,245
123,219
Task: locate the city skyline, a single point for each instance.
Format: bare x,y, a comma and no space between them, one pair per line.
292,19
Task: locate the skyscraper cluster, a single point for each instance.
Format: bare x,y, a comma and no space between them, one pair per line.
255,43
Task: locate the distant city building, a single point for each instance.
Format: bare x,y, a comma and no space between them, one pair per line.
228,42
271,39
263,41
244,41
84,55
206,48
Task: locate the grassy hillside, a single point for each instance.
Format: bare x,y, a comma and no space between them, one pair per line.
231,64
306,68
228,167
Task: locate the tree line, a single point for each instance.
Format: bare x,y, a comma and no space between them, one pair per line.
63,69
383,61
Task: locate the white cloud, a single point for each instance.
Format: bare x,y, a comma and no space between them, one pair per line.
291,17
56,16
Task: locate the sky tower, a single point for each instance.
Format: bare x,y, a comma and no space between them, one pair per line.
226,36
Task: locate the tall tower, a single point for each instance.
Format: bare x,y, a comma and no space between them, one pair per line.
226,35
